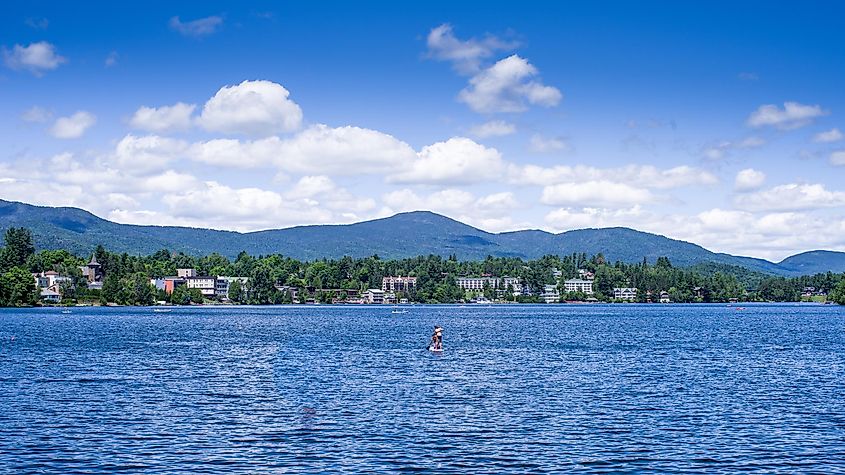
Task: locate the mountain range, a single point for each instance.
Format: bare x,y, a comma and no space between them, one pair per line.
403,235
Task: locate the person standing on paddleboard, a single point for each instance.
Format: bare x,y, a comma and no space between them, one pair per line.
436,339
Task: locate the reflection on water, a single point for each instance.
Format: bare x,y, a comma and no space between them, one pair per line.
590,389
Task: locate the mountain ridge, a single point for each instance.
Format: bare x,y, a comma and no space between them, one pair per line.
402,235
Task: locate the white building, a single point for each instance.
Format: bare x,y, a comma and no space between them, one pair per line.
550,293
50,279
206,284
185,273
398,284
478,283
373,296
578,285
625,293
585,274
51,296
221,287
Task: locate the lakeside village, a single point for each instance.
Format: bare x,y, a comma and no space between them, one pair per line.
58,277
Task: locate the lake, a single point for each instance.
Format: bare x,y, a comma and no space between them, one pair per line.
319,389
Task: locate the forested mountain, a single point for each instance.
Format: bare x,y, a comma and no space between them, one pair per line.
400,236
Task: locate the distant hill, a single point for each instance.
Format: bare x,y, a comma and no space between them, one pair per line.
402,235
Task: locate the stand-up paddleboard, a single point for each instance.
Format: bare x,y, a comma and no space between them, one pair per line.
435,350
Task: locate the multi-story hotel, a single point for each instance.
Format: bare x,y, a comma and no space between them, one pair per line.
398,284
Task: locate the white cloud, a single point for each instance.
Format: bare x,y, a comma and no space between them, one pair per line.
595,194
74,126
644,176
251,108
791,197
36,114
458,160
163,119
508,86
563,219
35,58
344,150
793,115
493,128
465,55
540,144
146,153
260,153
749,179
828,136
837,157
311,186
196,28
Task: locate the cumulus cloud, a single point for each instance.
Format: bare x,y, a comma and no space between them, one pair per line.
458,160
36,58
510,85
251,108
598,194
345,150
163,119
793,115
146,153
828,136
465,55
644,176
540,144
749,179
36,114
493,128
73,126
791,197
196,28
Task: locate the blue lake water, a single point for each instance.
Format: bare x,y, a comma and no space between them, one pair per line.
590,389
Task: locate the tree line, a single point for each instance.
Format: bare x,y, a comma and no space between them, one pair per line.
127,277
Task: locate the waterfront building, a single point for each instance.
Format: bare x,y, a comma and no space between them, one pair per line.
51,295
373,296
221,285
664,297
170,284
398,284
578,285
625,293
479,283
550,293
206,284
185,273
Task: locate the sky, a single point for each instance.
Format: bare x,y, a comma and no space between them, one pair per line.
719,123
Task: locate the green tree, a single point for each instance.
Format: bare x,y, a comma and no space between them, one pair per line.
236,292
838,293
18,248
17,288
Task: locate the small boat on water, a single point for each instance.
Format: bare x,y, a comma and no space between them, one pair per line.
67,311
162,310
398,310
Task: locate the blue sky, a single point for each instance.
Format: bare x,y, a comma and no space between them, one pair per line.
717,123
